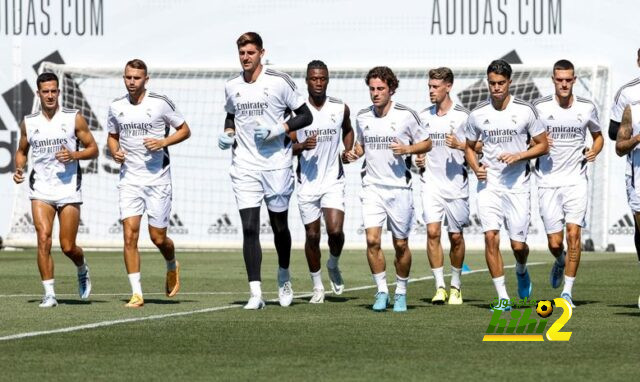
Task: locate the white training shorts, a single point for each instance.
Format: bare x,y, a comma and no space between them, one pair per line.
135,200
560,205
76,198
436,209
329,196
498,207
252,186
632,196
393,204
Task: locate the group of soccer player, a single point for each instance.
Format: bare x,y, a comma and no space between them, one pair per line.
268,122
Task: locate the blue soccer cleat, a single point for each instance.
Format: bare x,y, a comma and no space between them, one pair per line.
557,275
400,303
382,299
524,284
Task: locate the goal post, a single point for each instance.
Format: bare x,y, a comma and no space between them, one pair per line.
204,213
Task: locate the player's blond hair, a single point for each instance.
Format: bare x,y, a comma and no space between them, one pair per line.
443,73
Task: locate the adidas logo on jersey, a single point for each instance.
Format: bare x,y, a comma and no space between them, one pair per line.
176,226
486,122
550,118
366,128
222,226
121,115
624,226
238,95
24,225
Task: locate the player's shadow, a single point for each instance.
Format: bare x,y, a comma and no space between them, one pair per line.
338,298
584,302
369,307
158,301
73,302
631,314
630,306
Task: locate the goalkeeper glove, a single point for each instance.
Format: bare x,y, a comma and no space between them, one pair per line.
225,141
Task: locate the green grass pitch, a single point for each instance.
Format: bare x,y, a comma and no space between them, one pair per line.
342,339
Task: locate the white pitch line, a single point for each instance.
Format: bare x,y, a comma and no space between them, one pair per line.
190,312
127,294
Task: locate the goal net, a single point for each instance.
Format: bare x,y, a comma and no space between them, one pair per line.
204,213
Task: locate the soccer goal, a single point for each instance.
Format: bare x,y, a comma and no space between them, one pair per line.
204,211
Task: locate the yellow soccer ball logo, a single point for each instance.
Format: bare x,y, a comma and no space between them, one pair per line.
544,308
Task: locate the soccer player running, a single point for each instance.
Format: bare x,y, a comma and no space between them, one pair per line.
629,93
627,144
53,134
562,173
139,124
257,102
504,124
321,176
445,190
388,133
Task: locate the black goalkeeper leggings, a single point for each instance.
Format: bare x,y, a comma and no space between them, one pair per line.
251,250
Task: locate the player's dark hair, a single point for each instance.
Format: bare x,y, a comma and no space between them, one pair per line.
46,77
249,38
500,67
563,65
384,74
317,64
445,74
137,63
638,53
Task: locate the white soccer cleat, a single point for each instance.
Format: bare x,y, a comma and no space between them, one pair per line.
335,277
48,301
285,294
317,297
84,284
255,303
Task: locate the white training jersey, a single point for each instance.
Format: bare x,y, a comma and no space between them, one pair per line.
446,170
633,158
375,134
321,166
505,131
264,102
627,94
50,178
565,164
151,118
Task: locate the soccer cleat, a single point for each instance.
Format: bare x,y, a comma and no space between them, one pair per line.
285,294
84,284
568,298
48,301
440,297
135,302
317,297
557,275
335,278
524,284
455,296
254,303
400,303
382,299
172,282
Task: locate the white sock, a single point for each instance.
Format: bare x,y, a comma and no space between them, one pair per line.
255,287
316,279
455,277
521,268
381,281
333,262
48,287
171,264
501,288
83,268
401,285
136,286
568,284
438,276
283,275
